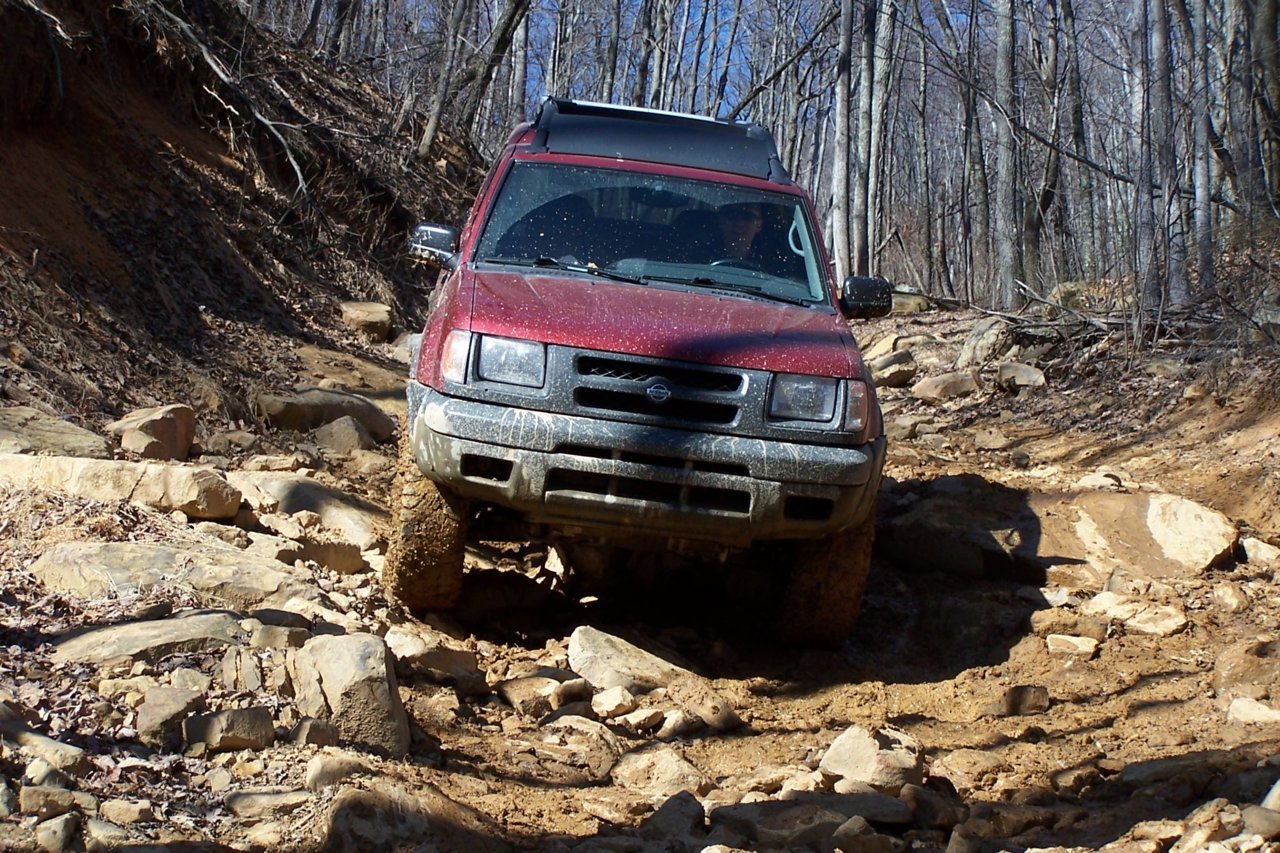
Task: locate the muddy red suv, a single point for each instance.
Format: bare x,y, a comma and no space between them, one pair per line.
640,349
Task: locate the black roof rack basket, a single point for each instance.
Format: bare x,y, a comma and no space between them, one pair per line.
579,127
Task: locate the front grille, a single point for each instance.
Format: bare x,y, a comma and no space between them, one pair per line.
675,463
672,495
725,382
659,391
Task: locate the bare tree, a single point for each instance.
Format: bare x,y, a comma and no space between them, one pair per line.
1006,294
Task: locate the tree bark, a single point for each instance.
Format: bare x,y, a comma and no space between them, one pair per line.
841,154
1006,294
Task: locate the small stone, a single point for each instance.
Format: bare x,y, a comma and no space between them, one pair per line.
613,702
161,714
1063,644
1245,710
44,802
278,637
1261,821
324,770
309,730
101,835
56,834
258,803
126,812
1230,598
570,691
41,772
190,679
235,729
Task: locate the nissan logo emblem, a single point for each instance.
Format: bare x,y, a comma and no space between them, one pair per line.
657,393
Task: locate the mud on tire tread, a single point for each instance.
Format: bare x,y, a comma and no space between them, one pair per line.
427,542
824,585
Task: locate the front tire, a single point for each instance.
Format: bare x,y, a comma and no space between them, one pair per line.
427,545
823,586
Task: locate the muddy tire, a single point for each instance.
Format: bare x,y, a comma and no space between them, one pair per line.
427,542
823,586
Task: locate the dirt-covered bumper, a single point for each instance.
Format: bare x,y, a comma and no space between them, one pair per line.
580,474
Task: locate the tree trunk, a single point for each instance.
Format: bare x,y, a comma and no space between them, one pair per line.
482,72
859,250
840,158
1006,293
1090,241
1147,291
452,42
882,70
1173,236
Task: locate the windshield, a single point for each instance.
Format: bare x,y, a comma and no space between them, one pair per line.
655,228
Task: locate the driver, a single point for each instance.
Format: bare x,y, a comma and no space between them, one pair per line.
739,226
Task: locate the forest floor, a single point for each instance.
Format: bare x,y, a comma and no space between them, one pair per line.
154,252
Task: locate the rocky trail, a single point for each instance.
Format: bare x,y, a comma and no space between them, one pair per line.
1067,641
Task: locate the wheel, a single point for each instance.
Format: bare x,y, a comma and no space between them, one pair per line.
423,567
823,585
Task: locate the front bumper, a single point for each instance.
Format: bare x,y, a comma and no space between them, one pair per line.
592,476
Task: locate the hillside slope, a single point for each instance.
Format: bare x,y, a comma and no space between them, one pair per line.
184,201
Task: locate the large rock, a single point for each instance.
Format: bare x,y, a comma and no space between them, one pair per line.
608,661
309,408
948,386
894,370
350,680
391,818
968,526
658,772
885,759
219,576
191,631
199,492
358,521
26,430
987,339
369,320
160,432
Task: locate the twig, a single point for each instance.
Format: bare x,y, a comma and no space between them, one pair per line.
215,65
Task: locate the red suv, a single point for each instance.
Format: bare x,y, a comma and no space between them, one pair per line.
640,348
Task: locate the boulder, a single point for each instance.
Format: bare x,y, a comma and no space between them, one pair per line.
894,370
350,680
344,436
886,759
968,526
391,818
948,386
1014,376
190,631
160,432
234,729
608,661
198,492
369,320
358,521
657,771
28,431
309,408
986,340
218,576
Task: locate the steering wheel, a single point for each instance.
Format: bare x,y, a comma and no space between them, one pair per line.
739,263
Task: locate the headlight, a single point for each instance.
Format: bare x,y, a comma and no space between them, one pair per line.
511,361
802,398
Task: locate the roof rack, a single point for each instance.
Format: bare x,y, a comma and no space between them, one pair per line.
631,133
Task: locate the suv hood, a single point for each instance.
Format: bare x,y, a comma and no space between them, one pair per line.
662,322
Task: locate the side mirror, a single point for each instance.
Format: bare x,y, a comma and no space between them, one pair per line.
864,296
437,243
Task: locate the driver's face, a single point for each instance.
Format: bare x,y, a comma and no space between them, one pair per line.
740,222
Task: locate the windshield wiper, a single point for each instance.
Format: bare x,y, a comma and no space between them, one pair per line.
552,263
747,290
